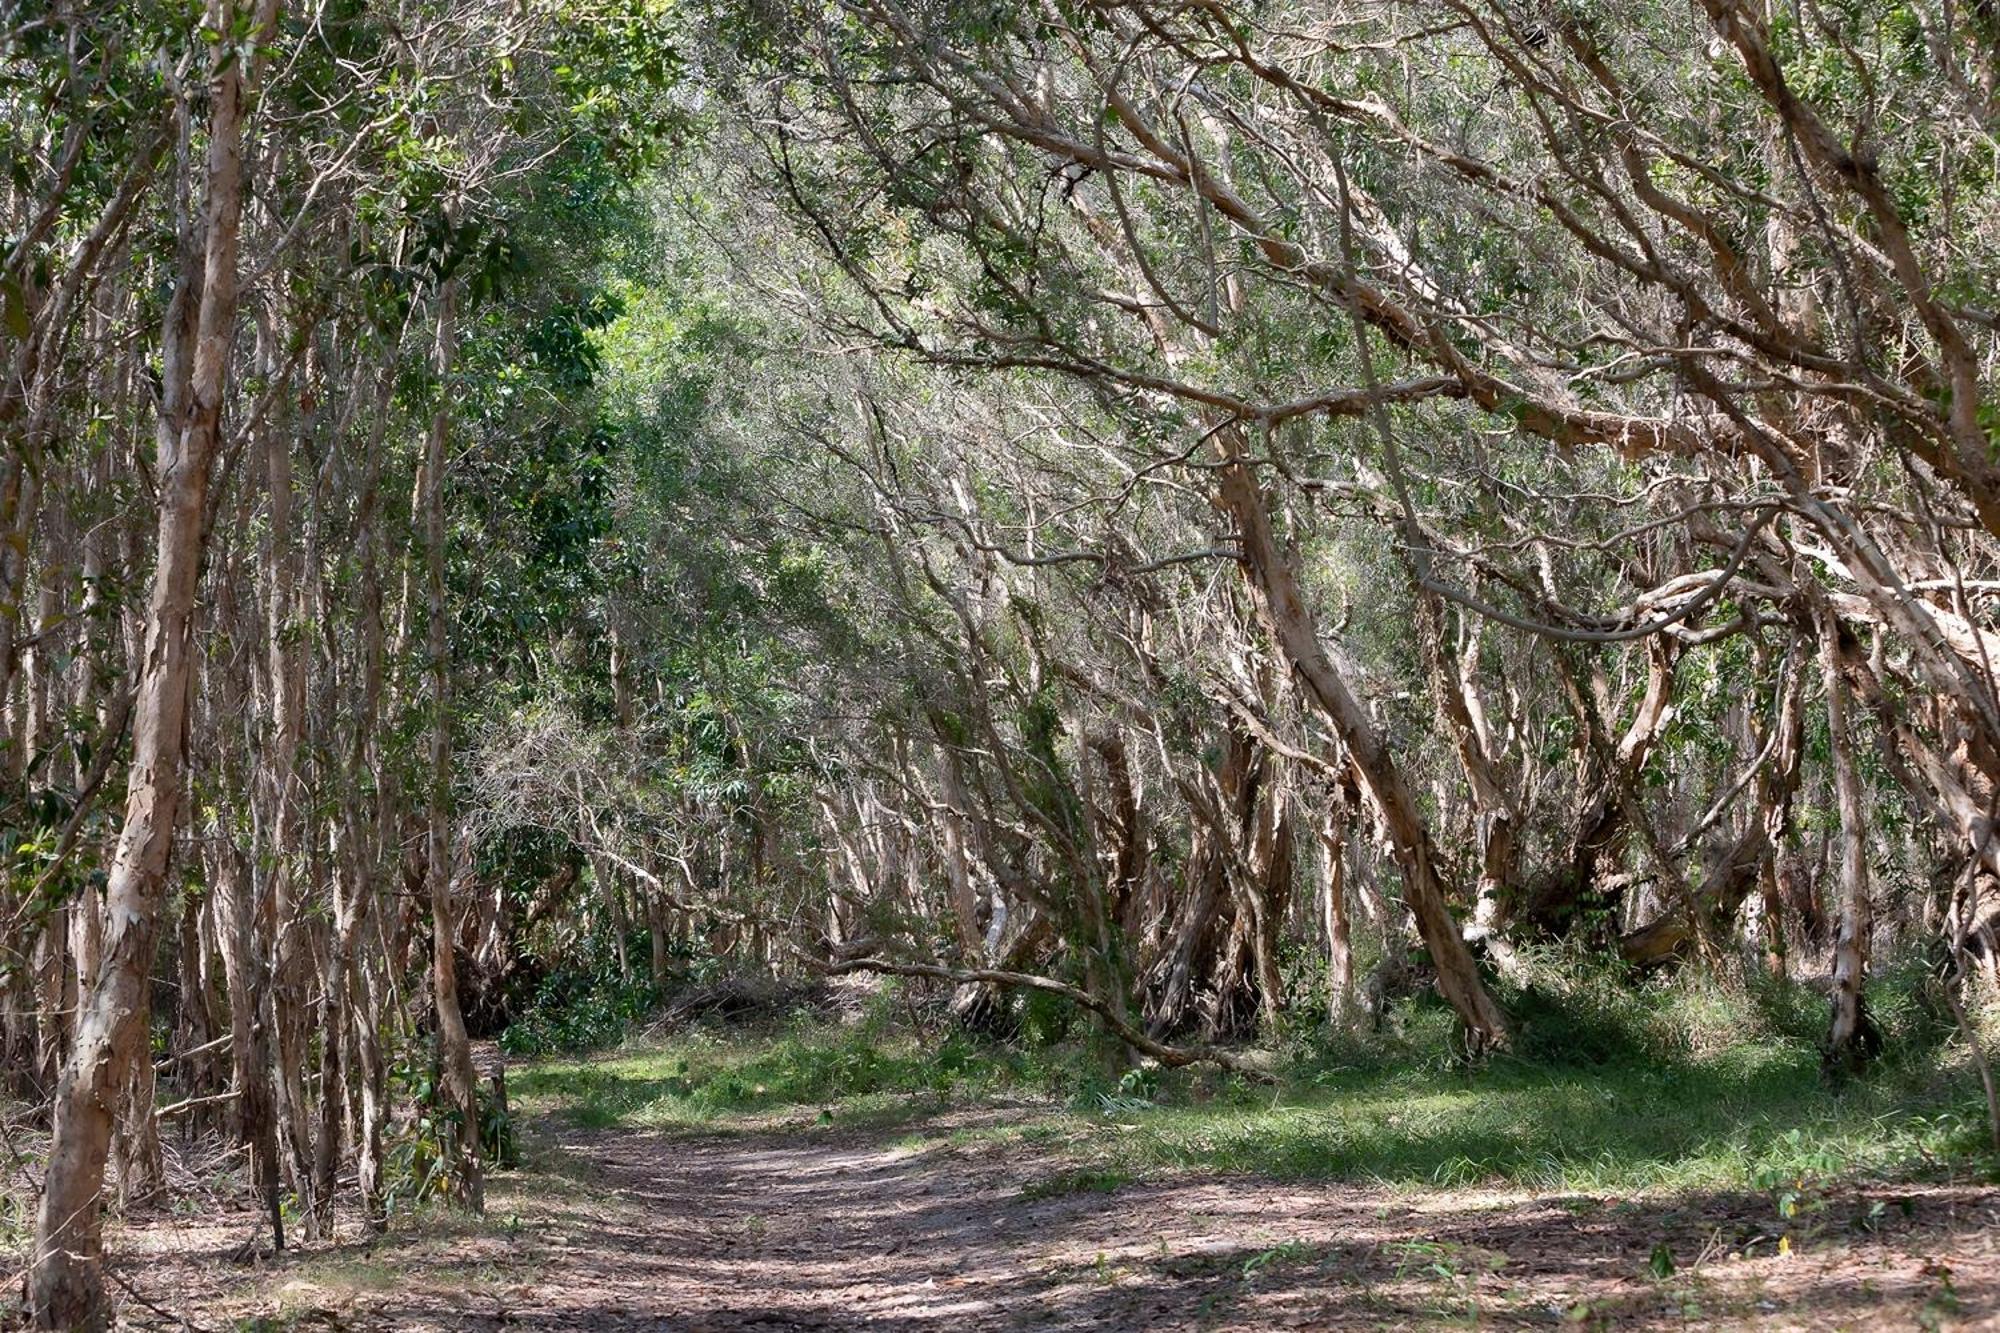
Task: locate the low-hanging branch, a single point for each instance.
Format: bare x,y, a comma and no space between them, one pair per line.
1174,1057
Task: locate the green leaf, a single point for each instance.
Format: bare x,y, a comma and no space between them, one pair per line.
1661,1265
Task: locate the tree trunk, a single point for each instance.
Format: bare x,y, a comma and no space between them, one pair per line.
457,1080
1454,685
332,1030
1291,627
285,687
1197,932
1852,1039
66,1289
142,1170
1266,893
244,970
374,1116
1333,909
198,1022
367,835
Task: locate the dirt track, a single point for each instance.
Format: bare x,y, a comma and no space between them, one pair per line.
821,1228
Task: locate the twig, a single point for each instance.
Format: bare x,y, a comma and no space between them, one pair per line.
179,1320
177,1107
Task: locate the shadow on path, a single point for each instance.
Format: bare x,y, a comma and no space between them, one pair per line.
814,1229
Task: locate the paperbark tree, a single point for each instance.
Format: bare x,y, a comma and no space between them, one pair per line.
1851,1038
457,1081
1290,623
66,1287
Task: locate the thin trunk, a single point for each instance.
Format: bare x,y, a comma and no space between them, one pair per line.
285,685
1852,1039
367,825
1333,909
245,975
457,1081
1266,892
1454,687
142,1169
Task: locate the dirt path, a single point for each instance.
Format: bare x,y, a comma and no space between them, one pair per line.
818,1228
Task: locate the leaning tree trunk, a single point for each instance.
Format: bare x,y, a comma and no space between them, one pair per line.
1290,624
66,1289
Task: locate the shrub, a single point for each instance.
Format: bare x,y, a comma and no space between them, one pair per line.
579,1006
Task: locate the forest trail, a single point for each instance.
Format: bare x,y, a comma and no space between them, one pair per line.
1385,593
925,1227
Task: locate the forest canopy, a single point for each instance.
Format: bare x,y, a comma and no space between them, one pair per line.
1225,522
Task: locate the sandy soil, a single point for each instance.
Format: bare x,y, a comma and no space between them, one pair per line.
828,1227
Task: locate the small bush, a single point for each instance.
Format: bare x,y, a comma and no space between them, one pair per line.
584,1006
1082,1181
418,1149
1907,1001
1046,1018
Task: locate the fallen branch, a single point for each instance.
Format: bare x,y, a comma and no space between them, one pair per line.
1172,1056
177,1107
161,1067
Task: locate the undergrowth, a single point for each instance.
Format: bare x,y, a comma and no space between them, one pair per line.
1678,1083
583,1003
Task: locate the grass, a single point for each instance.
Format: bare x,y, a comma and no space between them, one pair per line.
718,1078
1683,1087
438,1257
1716,1123
1083,1181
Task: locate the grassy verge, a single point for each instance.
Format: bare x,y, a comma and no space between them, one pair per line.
1678,1097
1725,1124
718,1078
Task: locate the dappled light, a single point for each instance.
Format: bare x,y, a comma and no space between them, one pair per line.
1085,664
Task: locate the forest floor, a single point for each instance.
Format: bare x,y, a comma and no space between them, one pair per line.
693,1188
811,1226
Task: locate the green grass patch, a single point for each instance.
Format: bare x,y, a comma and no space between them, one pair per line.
709,1078
1723,1122
1731,1118
1087,1180
1616,1088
